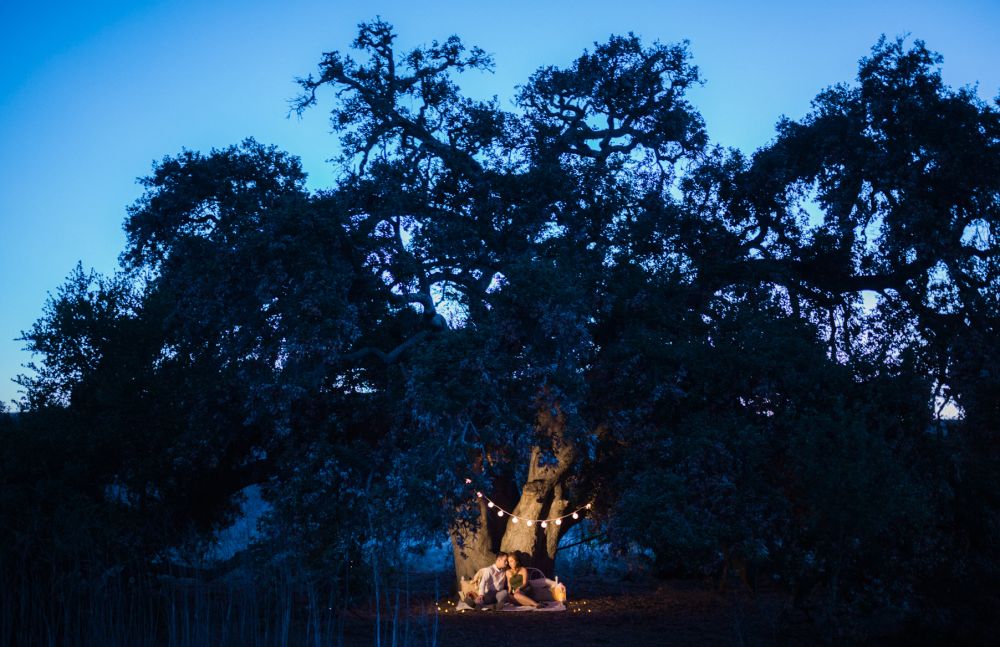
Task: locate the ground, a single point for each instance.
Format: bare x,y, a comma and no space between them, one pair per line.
600,612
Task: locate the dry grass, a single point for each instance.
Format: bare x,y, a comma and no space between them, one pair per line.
602,612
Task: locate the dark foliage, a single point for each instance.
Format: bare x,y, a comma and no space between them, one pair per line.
734,359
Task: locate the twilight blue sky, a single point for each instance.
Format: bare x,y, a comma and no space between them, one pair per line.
91,93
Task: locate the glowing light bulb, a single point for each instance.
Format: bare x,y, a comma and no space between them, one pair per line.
499,513
545,525
479,494
490,504
588,506
576,515
467,481
514,519
530,522
558,522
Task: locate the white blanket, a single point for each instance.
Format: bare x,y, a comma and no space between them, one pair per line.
549,606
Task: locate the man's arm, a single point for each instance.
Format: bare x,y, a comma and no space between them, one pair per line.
483,577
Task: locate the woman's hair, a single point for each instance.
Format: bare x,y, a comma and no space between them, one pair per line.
513,555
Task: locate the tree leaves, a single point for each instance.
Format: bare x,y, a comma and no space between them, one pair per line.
732,356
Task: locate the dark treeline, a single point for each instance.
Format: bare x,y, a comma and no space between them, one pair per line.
738,360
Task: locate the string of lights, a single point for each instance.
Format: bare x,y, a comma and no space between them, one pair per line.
544,523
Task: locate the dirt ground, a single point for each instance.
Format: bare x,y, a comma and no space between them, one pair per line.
599,612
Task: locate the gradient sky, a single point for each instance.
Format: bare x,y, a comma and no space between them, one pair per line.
92,93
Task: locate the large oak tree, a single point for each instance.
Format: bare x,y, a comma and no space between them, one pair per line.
576,300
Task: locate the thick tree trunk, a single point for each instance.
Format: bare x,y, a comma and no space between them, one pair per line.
473,549
542,497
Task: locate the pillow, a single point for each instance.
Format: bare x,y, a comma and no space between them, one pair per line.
546,590
470,588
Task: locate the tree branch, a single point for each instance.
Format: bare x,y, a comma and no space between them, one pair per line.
602,536
391,356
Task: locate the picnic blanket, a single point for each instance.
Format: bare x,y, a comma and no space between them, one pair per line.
549,606
552,593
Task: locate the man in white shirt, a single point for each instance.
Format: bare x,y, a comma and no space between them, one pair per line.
493,584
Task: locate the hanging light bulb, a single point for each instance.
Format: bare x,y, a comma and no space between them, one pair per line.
499,513
467,481
514,519
558,522
588,506
479,494
576,515
530,522
545,525
489,505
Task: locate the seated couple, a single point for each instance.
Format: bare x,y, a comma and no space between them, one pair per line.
506,580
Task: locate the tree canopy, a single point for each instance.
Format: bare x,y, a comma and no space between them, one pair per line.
739,360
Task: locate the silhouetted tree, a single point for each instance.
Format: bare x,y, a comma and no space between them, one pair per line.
577,300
